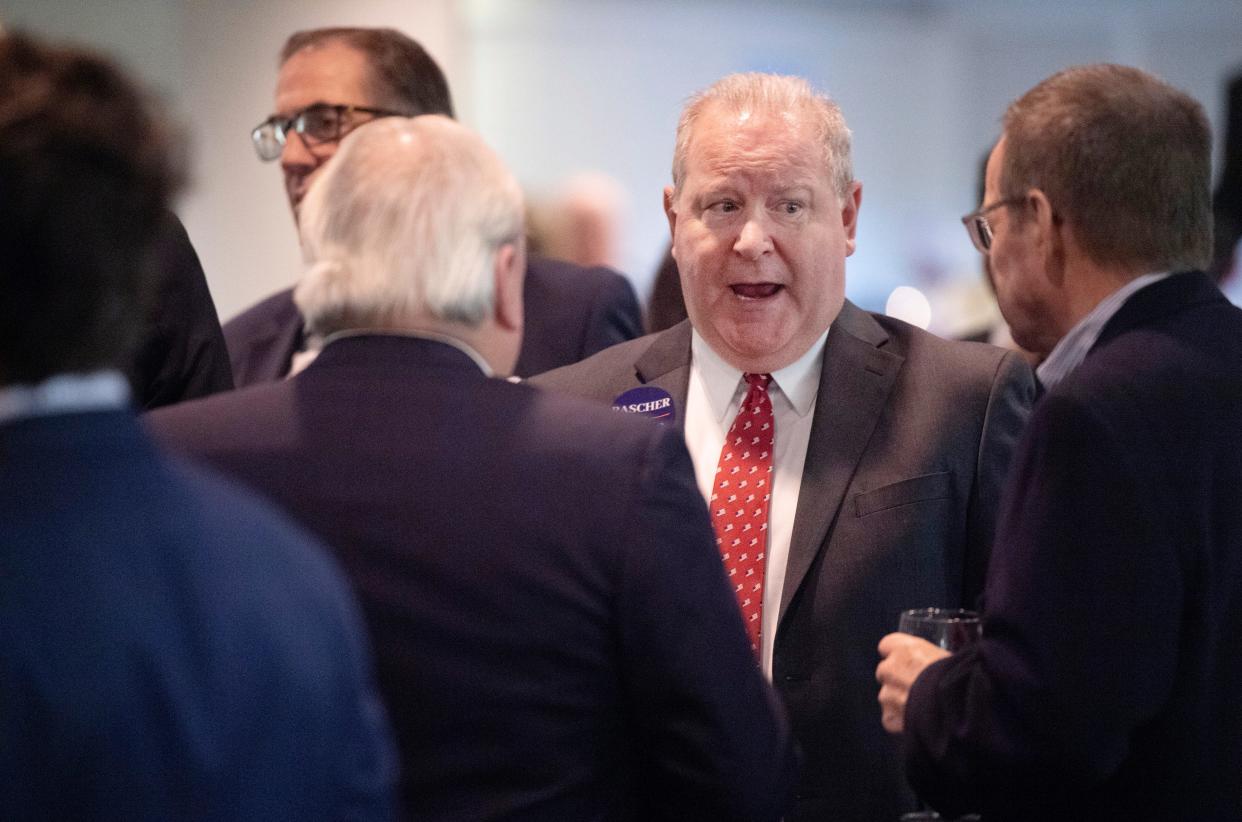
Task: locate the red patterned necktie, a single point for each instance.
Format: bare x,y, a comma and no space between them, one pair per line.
739,503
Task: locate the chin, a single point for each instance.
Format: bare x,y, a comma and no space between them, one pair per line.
760,359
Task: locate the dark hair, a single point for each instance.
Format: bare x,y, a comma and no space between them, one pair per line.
85,178
1124,157
404,74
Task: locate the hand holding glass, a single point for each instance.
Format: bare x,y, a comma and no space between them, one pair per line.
950,628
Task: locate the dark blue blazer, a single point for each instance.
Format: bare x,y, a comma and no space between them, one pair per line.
169,647
571,312
1108,684
554,634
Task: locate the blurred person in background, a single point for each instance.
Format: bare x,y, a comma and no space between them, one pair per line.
170,648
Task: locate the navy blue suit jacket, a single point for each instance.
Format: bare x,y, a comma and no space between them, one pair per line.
1108,684
553,631
169,647
571,312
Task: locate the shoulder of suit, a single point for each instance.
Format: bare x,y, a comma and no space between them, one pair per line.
277,308
914,342
566,277
600,373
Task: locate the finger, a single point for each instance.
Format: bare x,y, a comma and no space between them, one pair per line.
888,643
885,671
892,717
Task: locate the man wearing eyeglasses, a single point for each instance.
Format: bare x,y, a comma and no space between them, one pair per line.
331,81
852,462
1106,684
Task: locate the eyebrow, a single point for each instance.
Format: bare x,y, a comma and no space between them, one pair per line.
280,115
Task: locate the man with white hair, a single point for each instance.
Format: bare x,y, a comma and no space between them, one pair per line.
520,557
881,448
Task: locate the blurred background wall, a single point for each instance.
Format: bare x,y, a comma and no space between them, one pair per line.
566,87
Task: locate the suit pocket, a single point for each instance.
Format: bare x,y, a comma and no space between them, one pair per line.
915,489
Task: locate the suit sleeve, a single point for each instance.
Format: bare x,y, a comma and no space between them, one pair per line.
615,316
1009,407
1080,629
711,732
183,355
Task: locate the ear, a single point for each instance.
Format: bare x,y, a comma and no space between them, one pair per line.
509,272
670,213
849,215
1050,235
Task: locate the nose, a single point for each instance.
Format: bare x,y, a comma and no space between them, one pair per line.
295,156
753,241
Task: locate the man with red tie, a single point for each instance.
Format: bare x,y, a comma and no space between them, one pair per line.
874,484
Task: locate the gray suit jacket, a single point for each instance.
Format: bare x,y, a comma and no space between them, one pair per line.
910,444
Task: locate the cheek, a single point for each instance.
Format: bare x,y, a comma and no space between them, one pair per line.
817,262
696,249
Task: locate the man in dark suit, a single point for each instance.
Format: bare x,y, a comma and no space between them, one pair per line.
332,80
555,637
1106,684
170,648
890,444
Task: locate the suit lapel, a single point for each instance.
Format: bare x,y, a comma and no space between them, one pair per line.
268,353
855,382
666,364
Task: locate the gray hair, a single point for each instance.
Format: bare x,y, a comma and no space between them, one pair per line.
771,94
406,220
1124,157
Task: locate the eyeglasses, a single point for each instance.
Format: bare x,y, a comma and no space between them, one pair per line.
978,227
317,124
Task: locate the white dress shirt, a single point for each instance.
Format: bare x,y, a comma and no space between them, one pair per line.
715,394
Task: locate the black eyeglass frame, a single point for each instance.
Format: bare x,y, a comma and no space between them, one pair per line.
978,227
269,136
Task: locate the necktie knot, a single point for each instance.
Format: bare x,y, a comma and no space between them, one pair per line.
759,381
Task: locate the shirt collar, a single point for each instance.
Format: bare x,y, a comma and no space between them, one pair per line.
418,335
64,394
1073,347
798,381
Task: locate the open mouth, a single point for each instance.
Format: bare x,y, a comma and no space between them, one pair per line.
756,291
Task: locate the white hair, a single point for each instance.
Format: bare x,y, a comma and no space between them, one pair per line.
406,220
773,94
